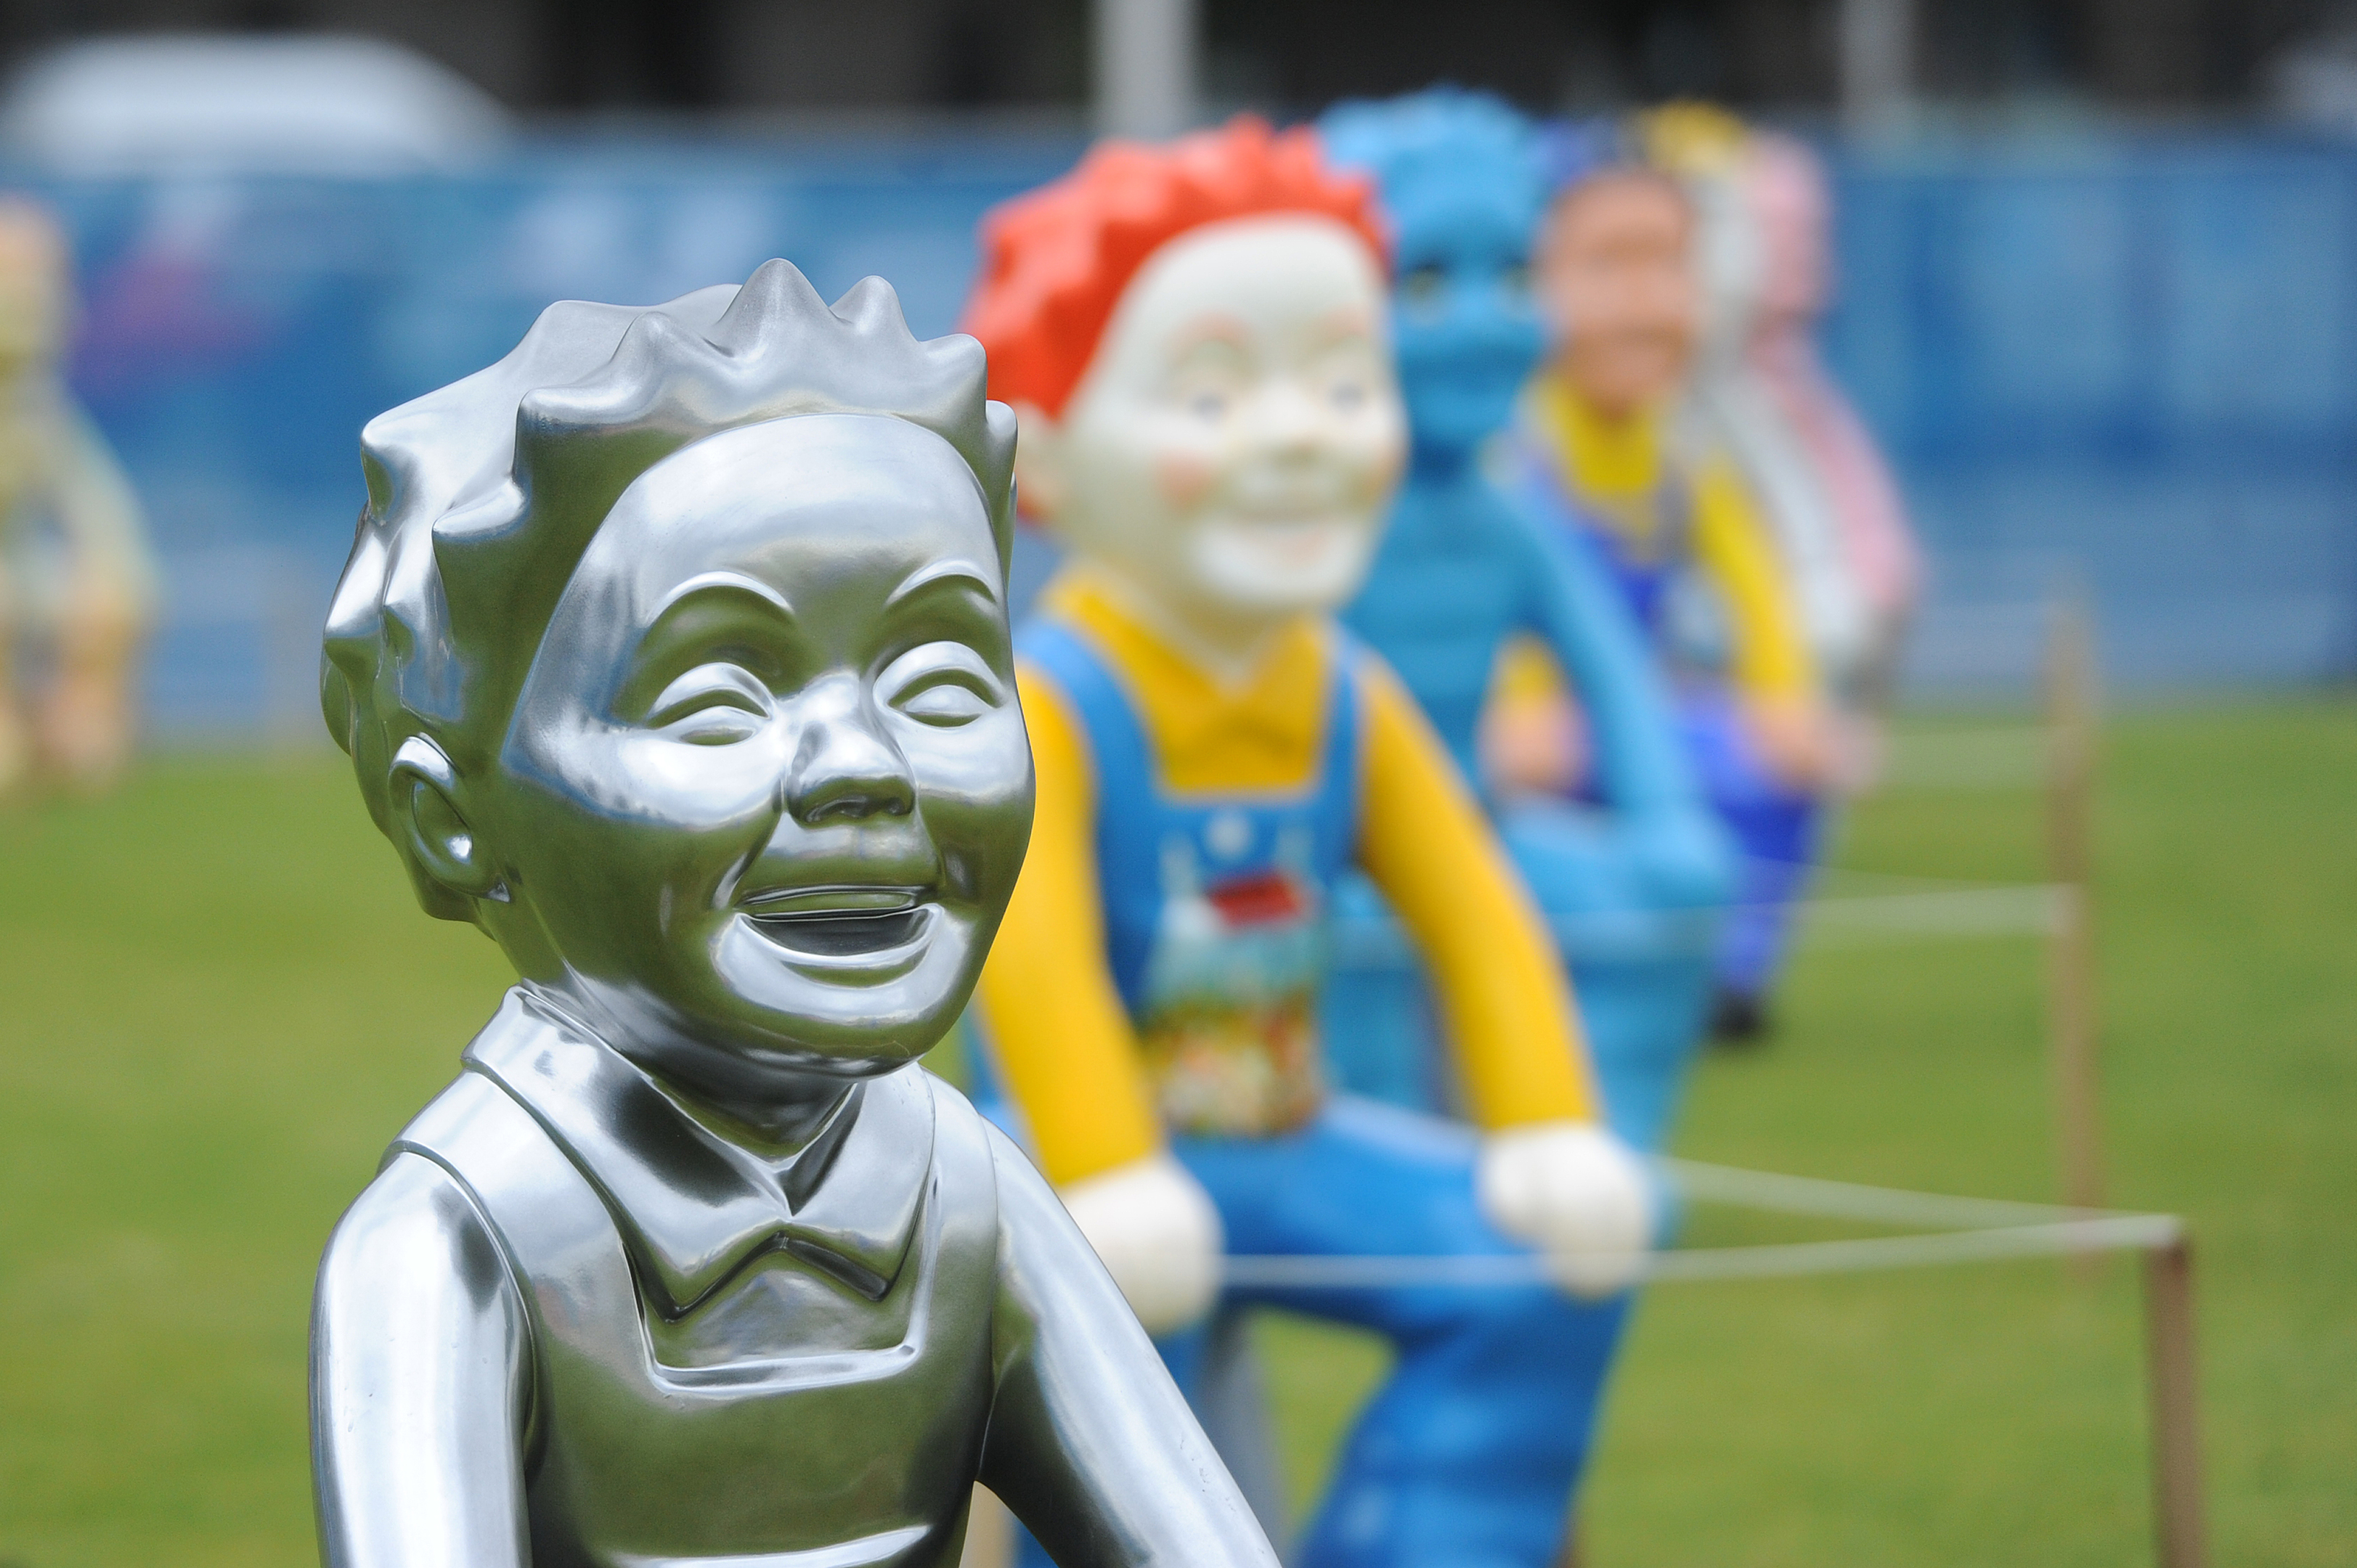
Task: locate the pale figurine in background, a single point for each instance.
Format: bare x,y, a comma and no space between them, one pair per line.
673,654
1729,411
1784,190
1760,393
77,588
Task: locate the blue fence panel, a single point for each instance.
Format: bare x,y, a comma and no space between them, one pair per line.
238,332
2128,362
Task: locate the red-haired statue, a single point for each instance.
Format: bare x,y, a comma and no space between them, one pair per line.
1194,338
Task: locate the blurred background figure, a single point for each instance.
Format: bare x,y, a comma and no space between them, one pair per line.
1632,874
1758,394
1682,531
1722,413
1464,571
1783,183
77,589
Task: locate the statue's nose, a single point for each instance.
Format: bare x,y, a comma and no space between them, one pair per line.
845,768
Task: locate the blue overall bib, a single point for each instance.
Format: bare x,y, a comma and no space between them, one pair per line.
1775,825
1214,911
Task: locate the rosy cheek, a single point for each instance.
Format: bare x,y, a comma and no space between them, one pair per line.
1183,479
1380,470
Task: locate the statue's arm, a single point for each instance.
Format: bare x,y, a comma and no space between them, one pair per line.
1091,1444
1571,605
420,1382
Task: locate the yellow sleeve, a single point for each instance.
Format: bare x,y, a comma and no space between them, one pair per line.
1770,660
1505,1001
1063,1041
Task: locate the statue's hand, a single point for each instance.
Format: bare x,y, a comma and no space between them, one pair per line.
1154,1226
1575,1192
1795,739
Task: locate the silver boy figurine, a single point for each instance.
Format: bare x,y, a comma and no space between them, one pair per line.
673,654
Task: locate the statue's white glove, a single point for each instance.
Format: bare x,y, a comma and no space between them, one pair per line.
1575,1192
1154,1227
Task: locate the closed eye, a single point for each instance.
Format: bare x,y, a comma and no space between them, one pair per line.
944,684
950,704
712,704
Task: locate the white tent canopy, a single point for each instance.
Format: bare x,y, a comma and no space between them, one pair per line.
299,103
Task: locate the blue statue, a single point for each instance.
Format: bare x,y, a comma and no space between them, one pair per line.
1633,876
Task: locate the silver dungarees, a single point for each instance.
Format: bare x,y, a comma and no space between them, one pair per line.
570,1325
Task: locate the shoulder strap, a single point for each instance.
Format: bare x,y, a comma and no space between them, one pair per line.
962,1162
1342,768
537,1201
1117,739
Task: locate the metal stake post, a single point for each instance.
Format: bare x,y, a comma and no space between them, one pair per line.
2070,799
1144,67
2178,1529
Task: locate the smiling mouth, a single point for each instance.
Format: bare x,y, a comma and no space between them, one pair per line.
839,922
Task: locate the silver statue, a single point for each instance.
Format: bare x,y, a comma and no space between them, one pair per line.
673,652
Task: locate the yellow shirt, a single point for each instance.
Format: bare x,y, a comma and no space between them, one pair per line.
1064,1045
1618,465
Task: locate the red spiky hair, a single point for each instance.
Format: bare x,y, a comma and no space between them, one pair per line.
1056,260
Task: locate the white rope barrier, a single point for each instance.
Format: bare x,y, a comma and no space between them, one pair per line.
2138,1232
1779,1193
2030,909
1975,1231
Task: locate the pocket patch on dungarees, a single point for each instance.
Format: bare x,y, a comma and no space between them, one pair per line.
1229,1020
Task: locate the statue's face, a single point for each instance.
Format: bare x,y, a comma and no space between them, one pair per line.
768,787
1236,437
1615,277
1463,321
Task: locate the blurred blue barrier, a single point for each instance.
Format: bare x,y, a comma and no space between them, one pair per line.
2128,366
2131,365
238,332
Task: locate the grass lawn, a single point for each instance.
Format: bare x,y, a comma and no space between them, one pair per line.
217,1002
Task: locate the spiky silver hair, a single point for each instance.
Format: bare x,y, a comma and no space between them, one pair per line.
483,496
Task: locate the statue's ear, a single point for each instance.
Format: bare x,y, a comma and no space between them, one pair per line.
1040,483
426,804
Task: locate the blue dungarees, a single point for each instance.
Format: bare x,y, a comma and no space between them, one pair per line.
1214,908
1632,878
1775,825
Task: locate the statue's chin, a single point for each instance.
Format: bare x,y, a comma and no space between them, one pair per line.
1287,567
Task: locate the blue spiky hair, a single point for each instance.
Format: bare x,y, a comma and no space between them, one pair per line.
483,496
1428,135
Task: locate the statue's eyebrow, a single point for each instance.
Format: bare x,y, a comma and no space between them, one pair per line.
723,582
1211,326
1346,321
935,573
726,606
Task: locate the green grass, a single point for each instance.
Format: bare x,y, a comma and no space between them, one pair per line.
217,1002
